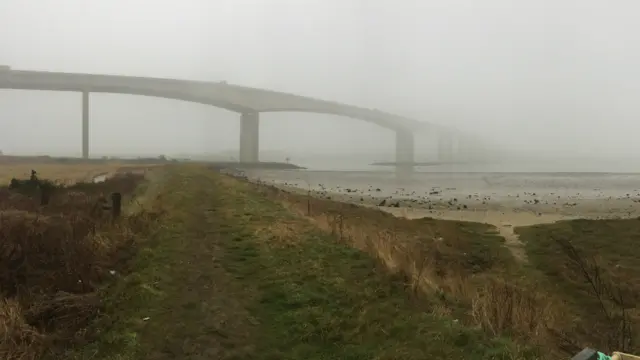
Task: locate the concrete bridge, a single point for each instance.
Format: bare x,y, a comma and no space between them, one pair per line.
247,101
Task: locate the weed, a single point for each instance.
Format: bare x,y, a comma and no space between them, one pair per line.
591,265
53,258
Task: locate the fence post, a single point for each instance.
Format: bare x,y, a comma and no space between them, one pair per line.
116,204
45,195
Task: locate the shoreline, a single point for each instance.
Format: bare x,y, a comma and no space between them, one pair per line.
506,201
504,216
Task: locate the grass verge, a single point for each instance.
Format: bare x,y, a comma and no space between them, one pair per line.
592,265
231,274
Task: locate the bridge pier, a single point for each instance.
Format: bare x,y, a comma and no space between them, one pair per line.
85,124
250,137
404,154
466,150
445,148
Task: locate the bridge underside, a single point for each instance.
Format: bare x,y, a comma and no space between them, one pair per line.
241,99
250,141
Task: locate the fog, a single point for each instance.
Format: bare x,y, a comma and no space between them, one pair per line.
544,76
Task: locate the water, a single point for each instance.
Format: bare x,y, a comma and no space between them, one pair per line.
100,178
349,162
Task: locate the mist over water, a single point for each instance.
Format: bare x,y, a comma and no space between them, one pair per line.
538,166
546,78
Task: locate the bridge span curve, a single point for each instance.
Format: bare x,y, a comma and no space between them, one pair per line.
242,99
220,94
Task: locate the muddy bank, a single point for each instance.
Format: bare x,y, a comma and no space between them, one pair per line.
559,194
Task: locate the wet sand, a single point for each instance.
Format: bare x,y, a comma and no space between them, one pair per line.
505,200
559,194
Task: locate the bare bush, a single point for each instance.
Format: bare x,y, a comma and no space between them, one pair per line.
616,327
52,259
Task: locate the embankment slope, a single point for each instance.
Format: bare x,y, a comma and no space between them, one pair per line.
233,274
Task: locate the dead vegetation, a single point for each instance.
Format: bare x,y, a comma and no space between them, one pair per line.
64,173
55,256
475,278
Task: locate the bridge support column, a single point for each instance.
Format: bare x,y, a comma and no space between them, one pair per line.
445,147
404,154
85,124
249,137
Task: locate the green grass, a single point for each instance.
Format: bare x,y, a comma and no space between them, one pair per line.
614,241
608,245
612,244
232,275
325,300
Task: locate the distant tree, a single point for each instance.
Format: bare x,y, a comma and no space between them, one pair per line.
288,159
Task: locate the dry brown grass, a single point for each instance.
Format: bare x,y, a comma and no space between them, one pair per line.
52,260
502,307
282,233
463,264
62,173
18,340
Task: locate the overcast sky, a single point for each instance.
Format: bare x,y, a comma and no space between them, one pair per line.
553,74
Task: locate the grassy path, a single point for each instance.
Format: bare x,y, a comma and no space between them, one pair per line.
232,275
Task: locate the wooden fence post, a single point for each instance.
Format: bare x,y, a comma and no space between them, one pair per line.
116,204
45,195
